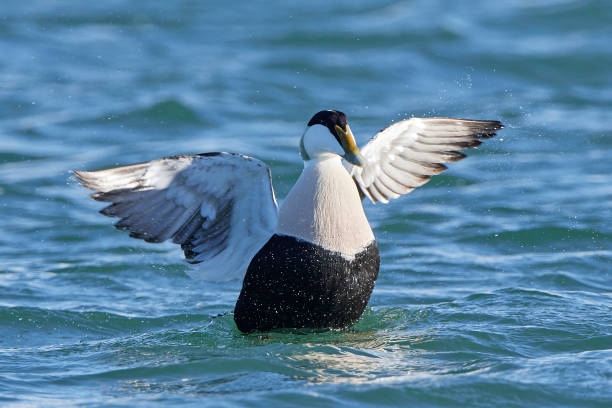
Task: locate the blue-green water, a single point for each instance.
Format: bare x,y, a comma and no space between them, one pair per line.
495,287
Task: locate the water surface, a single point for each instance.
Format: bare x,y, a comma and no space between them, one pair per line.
495,287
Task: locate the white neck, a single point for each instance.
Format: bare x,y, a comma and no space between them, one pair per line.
324,208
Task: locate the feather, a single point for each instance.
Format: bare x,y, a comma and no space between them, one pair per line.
404,155
194,201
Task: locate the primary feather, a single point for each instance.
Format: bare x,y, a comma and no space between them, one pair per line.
220,207
406,154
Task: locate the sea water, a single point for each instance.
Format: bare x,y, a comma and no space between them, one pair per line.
495,287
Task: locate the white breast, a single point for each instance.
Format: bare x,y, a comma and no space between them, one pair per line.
324,208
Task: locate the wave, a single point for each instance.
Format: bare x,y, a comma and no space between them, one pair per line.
167,111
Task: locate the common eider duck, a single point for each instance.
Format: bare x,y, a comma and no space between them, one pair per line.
313,262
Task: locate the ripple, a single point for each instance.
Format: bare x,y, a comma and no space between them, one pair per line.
10,157
538,236
333,39
21,322
566,281
169,111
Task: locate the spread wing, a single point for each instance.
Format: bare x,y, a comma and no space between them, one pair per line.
406,154
219,207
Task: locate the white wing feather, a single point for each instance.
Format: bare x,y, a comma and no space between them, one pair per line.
406,154
220,207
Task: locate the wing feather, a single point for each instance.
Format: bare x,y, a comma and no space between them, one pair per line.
219,207
406,154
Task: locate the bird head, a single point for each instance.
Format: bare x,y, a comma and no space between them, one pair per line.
329,133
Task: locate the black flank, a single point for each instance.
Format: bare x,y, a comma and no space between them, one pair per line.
292,283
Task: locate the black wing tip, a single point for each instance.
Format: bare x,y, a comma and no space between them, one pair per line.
110,196
147,238
493,124
189,252
108,210
496,124
485,129
481,129
100,196
84,178
436,168
123,225
138,235
423,178
455,156
484,123
433,168
467,145
209,154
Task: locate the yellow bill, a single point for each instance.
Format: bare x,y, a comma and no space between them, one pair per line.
347,140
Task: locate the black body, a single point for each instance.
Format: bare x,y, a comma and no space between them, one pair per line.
291,283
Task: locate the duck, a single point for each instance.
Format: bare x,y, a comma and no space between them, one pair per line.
311,263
